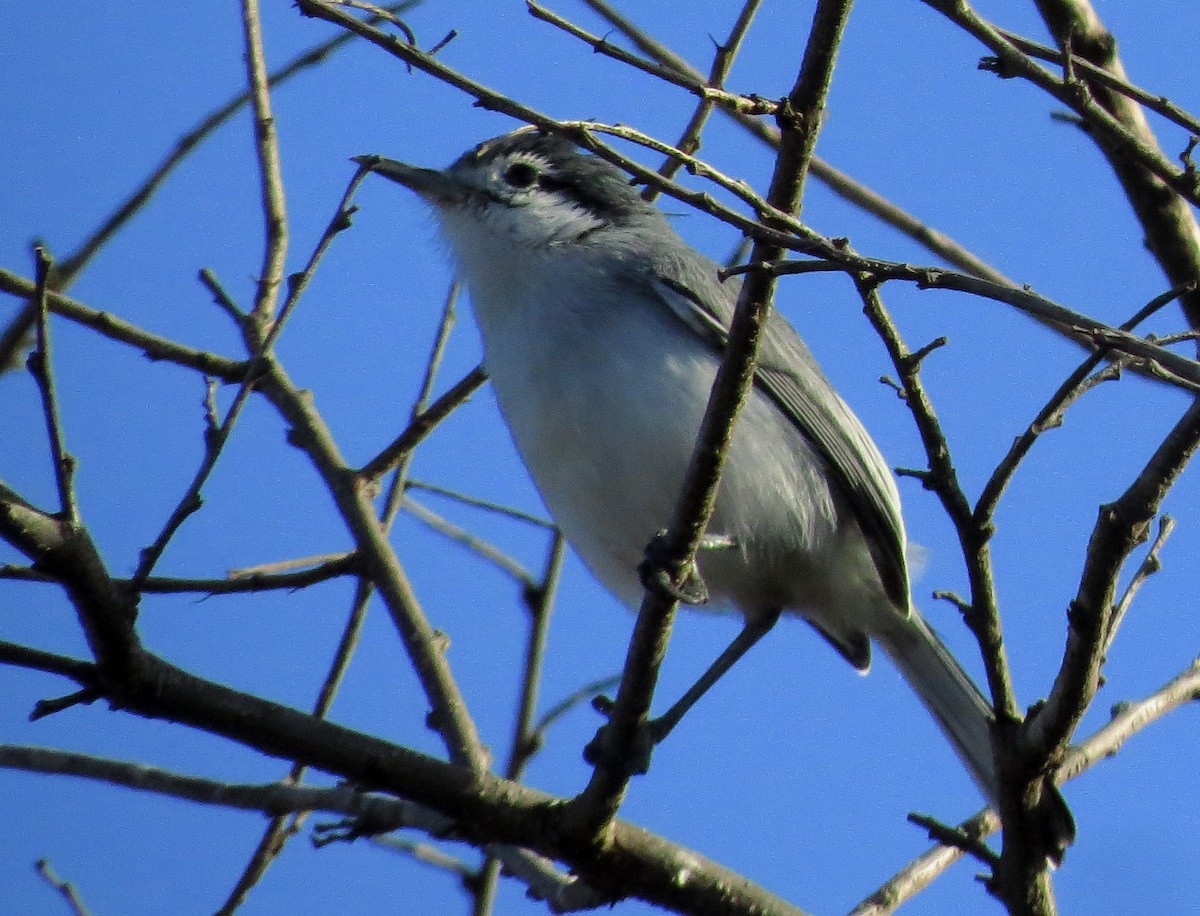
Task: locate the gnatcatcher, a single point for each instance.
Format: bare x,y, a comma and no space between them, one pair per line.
602,333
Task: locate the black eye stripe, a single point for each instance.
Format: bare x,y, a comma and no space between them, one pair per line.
577,193
513,166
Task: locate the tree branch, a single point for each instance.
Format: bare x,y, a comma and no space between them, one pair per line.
1158,190
837,181
799,122
1122,525
1128,719
270,171
42,368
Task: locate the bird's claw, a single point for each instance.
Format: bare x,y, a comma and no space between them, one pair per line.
656,576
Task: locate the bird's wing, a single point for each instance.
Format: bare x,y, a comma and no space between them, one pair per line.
788,374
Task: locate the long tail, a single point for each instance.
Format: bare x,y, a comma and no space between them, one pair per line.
965,717
947,692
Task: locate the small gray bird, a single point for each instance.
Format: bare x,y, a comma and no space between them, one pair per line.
602,334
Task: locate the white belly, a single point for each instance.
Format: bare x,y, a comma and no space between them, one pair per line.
607,438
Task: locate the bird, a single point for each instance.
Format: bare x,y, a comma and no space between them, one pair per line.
602,333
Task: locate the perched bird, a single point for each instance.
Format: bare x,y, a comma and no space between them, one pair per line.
602,333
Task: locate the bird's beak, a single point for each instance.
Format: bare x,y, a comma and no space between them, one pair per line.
436,187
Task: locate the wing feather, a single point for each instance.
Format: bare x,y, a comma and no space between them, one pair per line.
791,378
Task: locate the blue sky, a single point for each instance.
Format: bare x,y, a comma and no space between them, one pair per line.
794,771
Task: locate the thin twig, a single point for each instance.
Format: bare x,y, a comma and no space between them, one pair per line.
837,181
424,424
524,744
540,601
1113,133
210,281
428,854
770,215
53,706
486,504
983,616
1149,566
1128,720
1115,122
270,798
242,582
723,60
963,840
472,542
108,325
1152,361
270,171
41,366
282,827
1028,847
69,267
1123,525
572,700
282,566
420,405
25,574
260,345
83,673
65,888
190,140
711,92
1075,385
1156,103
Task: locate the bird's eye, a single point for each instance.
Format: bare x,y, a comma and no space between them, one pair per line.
521,174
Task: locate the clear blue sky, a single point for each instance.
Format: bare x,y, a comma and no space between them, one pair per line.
794,771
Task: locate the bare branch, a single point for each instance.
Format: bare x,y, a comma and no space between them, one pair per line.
42,368
400,482
1158,190
1149,566
108,325
1151,360
1128,720
723,60
65,888
345,564
473,543
524,744
83,673
69,267
1050,416
485,504
800,122
260,345
710,92
837,181
1122,525
283,827
270,171
1083,66
423,424
956,837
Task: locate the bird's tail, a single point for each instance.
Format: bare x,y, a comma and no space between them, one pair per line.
947,692
965,717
